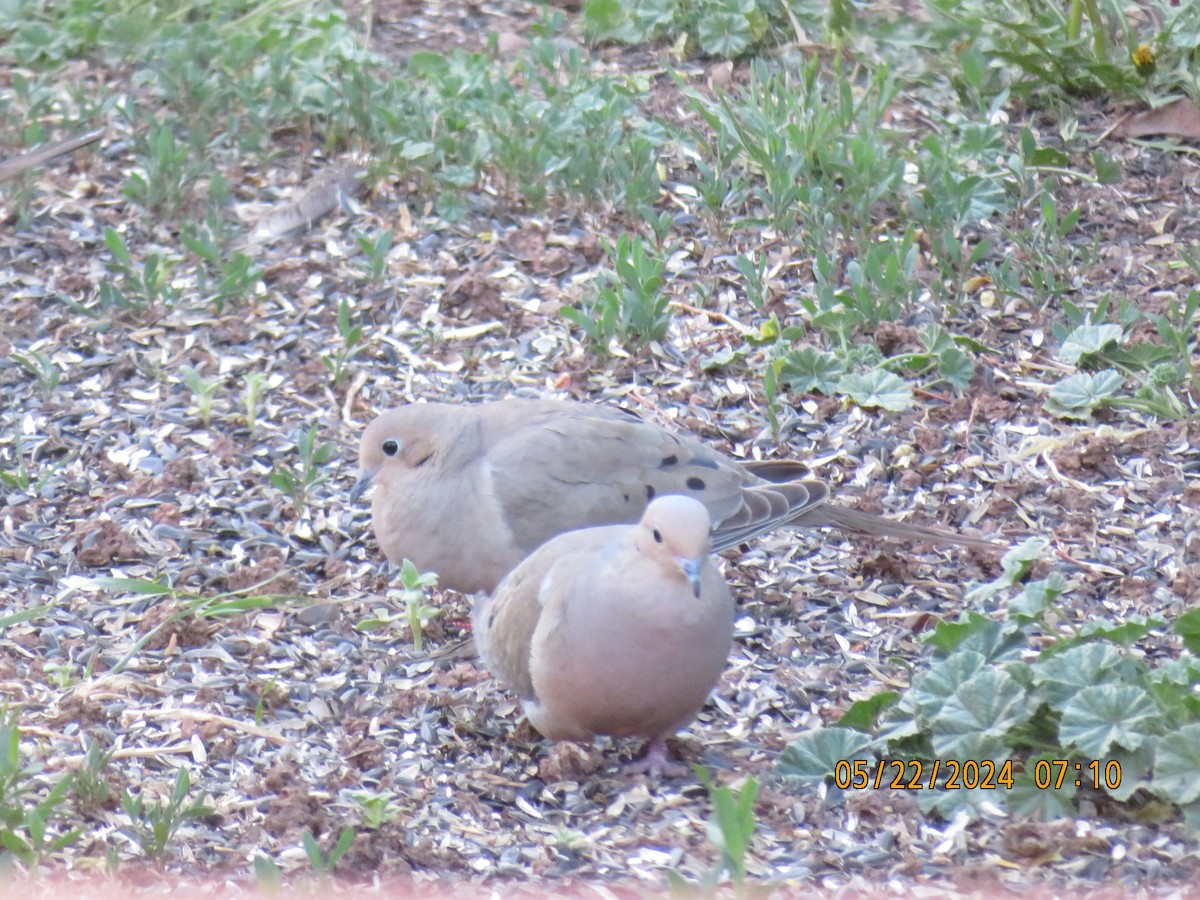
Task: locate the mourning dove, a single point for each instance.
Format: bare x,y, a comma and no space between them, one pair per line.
468,491
620,630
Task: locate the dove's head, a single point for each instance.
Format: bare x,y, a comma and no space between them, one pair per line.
404,440
676,531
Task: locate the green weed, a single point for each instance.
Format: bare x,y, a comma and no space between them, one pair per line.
412,597
1018,690
152,826
630,304
297,483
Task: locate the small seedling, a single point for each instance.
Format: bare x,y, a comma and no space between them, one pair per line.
630,304
375,253
90,787
25,817
203,392
191,604
350,347
17,477
133,289
732,824
235,277
412,597
324,865
152,826
299,483
254,386
163,181
377,807
267,875
41,367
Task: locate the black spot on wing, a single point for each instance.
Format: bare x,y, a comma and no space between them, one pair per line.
696,484
704,461
669,460
649,492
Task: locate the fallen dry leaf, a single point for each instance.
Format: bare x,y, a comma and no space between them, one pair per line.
1178,119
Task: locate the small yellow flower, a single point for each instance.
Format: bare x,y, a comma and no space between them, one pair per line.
1143,60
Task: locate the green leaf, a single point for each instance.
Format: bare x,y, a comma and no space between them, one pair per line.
24,615
877,388
416,149
132,585
1120,633
1187,626
1077,396
1062,676
931,691
862,714
116,245
808,369
722,358
972,722
1177,765
1088,339
1038,596
1134,770
955,367
1107,171
947,636
1048,158
1097,718
811,758
1027,799
724,33
267,875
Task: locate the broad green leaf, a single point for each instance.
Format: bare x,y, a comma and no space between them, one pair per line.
1088,339
1038,596
877,388
1177,765
1077,396
955,367
1027,799
971,724
1187,626
1098,718
932,690
1107,170
1063,675
811,758
862,714
808,369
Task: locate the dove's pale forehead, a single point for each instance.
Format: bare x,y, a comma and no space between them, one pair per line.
684,522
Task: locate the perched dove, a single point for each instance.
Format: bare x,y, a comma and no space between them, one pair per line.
468,491
620,630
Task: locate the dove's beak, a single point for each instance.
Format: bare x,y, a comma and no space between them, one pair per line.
365,477
692,568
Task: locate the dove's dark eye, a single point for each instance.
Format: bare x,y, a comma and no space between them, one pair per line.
657,536
391,447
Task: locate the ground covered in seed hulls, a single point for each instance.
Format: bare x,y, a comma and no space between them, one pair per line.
203,454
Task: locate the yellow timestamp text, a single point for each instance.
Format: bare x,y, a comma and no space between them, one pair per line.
983,774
